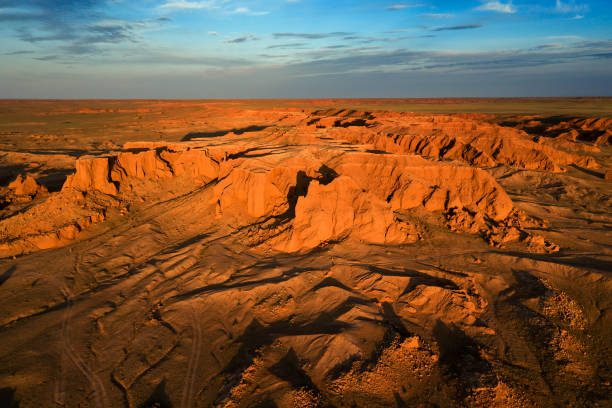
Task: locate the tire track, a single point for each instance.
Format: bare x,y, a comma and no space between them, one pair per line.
192,367
58,391
100,396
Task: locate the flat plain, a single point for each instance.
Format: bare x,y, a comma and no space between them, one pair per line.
306,253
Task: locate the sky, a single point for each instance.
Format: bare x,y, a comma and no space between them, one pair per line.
304,48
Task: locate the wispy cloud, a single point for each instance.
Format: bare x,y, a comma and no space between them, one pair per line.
47,58
186,5
497,6
564,37
570,6
599,44
241,39
397,7
370,39
456,62
164,58
458,27
248,11
73,27
286,46
274,55
401,30
436,15
547,46
311,36
20,52
220,5
342,60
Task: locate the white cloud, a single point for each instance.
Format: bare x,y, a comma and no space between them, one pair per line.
213,33
184,4
246,10
498,7
570,7
222,5
403,6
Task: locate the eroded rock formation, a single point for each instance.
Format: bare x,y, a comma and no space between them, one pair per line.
289,257
308,195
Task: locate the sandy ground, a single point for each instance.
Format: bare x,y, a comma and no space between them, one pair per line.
302,254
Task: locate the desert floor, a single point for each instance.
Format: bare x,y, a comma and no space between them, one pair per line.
306,253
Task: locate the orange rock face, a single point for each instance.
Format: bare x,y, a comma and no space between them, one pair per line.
289,256
296,184
594,130
26,186
319,195
473,141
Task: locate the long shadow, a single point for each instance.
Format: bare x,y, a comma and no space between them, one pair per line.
54,179
159,398
393,320
575,261
8,173
289,369
249,153
7,398
257,335
220,287
67,152
543,128
330,282
301,188
188,242
219,133
461,355
589,171
6,275
539,129
417,278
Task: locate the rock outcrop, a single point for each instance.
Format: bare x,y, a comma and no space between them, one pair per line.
295,190
133,172
597,131
470,140
21,190
292,200
341,209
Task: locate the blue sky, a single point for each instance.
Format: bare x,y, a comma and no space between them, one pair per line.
304,48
